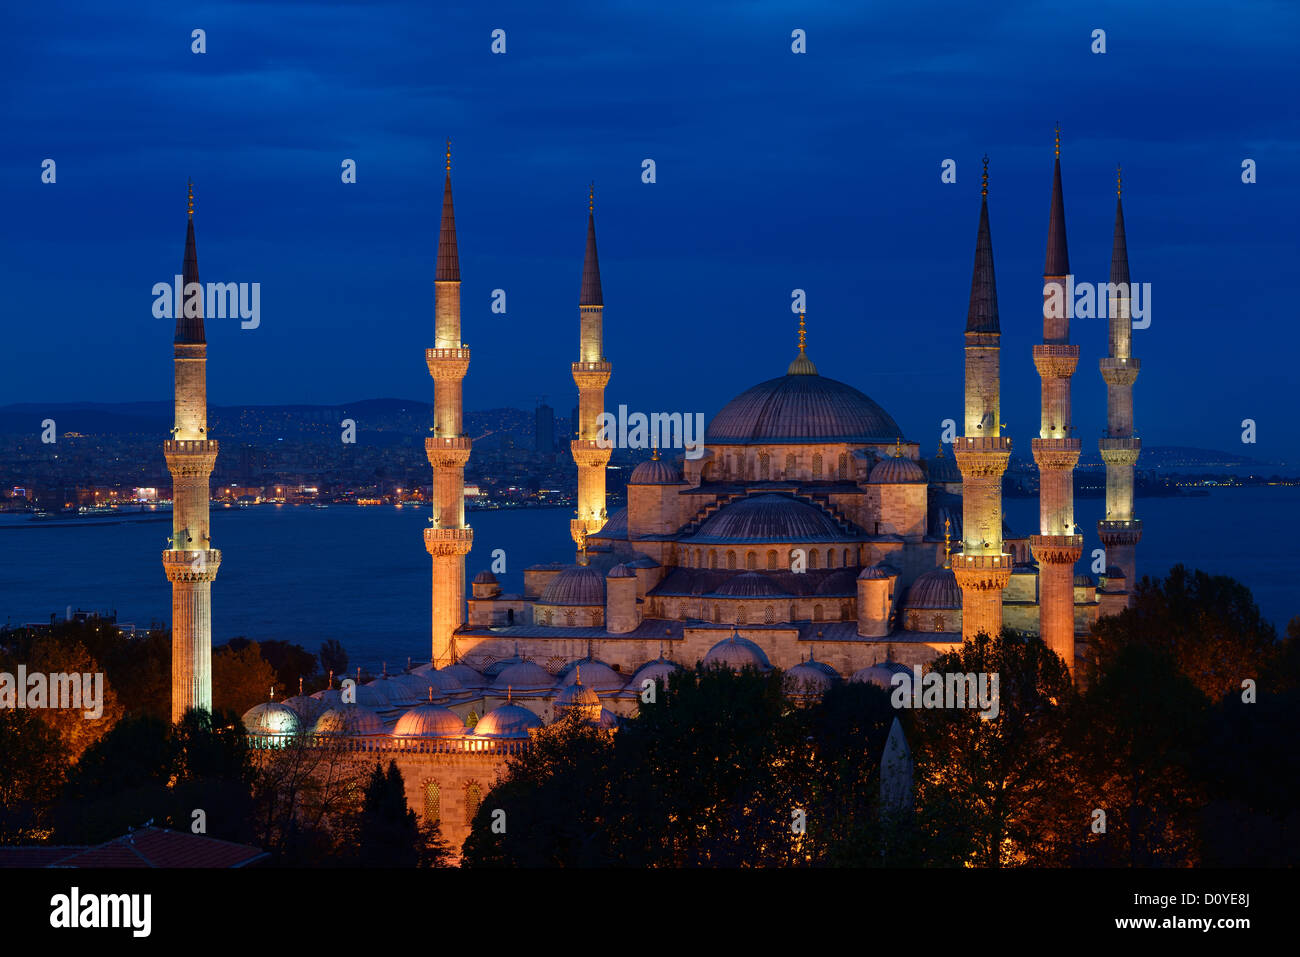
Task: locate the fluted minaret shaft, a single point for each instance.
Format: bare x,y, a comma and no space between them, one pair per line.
982,568
1056,453
448,538
591,374
1119,530
191,563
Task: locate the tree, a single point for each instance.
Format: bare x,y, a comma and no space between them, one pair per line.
388,834
56,655
240,678
33,768
333,659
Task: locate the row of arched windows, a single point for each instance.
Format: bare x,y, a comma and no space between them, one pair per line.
772,560
760,467
433,801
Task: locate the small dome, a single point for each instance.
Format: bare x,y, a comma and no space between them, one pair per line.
807,680
580,699
307,707
620,571
523,676
660,670
429,721
896,470
737,653
749,585
935,589
878,571
595,674
507,721
485,577
576,585
373,695
879,674
350,720
608,719
1084,581
328,698
271,718
1115,572
501,664
943,469
397,691
655,472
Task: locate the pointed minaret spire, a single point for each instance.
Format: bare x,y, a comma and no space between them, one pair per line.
189,320
448,269
1119,248
1058,256
590,294
982,315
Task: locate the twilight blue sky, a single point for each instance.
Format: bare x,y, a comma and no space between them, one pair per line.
775,171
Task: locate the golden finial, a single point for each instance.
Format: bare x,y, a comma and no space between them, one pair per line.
191,200
984,186
1058,139
300,686
591,198
1119,180
430,694
578,676
898,447
509,692
582,546
272,692
947,543
449,154
654,454
939,454
803,334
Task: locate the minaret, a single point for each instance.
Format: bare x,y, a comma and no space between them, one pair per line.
982,568
591,374
191,563
1057,546
448,538
1119,530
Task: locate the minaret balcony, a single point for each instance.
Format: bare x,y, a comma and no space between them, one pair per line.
191,565
982,572
1056,454
190,456
443,542
592,375
1056,549
1114,533
1119,371
446,451
447,363
588,453
1056,361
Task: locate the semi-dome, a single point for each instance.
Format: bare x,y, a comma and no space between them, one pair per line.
936,589
880,674
771,517
523,676
896,470
737,653
801,407
271,718
749,585
943,469
576,585
620,571
429,721
1084,580
507,721
878,571
607,719
655,471
349,719
595,674
485,577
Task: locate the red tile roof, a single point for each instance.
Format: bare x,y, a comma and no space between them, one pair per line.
146,847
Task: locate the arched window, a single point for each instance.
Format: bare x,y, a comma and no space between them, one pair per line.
510,616
812,558
771,559
938,622
817,465
731,560
791,465
473,801
741,617
794,616
844,465
751,561
569,618
769,615
432,802
818,612
717,615
713,558
846,558
830,558
595,618
764,465
471,720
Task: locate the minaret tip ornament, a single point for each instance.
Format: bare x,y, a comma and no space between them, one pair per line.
449,155
1058,140
591,197
190,184
984,185
1119,180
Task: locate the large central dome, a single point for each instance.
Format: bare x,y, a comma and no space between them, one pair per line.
801,408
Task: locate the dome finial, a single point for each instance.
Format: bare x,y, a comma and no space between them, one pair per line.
803,334
300,686
984,185
898,447
509,693
947,543
939,453
190,184
430,694
272,692
654,454
577,679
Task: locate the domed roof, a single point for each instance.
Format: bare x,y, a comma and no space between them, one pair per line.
307,707
429,721
1084,581
485,577
349,719
578,698
507,721
373,695
880,674
576,585
607,719
749,585
655,472
806,679
943,468
803,407
620,571
878,571
523,676
1114,571
328,698
770,517
896,470
271,717
455,678
659,670
737,653
595,674
935,589
397,691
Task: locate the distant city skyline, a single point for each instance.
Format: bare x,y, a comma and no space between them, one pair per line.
774,171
